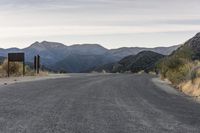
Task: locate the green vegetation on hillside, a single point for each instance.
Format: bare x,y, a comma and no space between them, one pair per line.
143,61
180,66
177,66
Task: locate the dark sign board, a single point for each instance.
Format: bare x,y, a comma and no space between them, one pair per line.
16,57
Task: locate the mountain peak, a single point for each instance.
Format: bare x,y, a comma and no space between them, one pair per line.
46,44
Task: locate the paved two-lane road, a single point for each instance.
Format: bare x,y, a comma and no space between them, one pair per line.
111,103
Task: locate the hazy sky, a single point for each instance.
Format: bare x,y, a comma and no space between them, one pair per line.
112,23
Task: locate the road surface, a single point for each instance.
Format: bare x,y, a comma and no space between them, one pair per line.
110,103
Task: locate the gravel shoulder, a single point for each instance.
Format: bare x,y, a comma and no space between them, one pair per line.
12,80
165,86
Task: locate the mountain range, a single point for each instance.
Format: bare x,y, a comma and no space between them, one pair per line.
79,57
152,61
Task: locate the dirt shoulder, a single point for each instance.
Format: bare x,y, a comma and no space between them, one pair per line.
165,86
189,88
12,80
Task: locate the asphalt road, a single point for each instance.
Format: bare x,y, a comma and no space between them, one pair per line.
115,103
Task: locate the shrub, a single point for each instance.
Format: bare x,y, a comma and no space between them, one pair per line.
174,69
184,52
14,67
29,71
195,73
169,64
178,75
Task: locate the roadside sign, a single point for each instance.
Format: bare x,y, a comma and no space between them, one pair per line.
16,57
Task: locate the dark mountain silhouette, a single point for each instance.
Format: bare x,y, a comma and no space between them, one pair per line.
81,63
87,49
145,60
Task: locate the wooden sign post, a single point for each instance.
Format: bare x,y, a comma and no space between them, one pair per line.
16,57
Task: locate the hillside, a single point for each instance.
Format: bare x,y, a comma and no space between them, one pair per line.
87,49
179,65
50,52
145,60
80,63
190,49
182,67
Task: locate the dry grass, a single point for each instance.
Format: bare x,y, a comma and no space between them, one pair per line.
191,88
16,70
190,80
42,73
2,72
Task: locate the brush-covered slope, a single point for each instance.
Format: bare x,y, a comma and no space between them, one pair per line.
179,65
143,61
190,49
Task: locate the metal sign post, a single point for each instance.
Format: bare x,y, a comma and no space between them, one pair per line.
16,57
37,64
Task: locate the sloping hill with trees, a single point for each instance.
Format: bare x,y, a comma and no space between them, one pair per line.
143,61
182,67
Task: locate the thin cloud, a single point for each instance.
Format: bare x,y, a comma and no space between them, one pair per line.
43,18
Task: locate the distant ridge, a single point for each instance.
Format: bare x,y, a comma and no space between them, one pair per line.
78,57
126,51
